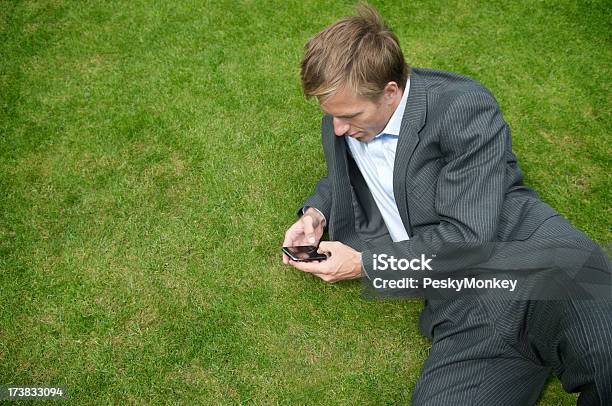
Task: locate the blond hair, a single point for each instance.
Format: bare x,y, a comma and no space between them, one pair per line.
359,52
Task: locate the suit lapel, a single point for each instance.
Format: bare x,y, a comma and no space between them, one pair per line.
343,225
412,122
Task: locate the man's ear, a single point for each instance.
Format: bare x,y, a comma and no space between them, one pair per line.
390,91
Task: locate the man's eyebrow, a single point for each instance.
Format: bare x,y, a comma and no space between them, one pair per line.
349,115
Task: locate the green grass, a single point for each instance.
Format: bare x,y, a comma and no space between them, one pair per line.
152,155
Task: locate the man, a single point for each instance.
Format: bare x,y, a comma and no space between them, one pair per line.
419,158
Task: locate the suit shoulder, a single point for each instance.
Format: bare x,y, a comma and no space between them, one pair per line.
448,85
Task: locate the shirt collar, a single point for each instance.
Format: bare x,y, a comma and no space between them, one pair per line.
394,124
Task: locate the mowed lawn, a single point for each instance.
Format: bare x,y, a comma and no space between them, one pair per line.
153,153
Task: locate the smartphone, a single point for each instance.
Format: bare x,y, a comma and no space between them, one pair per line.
304,253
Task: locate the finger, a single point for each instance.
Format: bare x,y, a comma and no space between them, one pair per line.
310,267
302,266
325,277
309,229
289,238
328,278
327,247
295,232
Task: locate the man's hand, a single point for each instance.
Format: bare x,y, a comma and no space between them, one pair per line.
342,263
308,230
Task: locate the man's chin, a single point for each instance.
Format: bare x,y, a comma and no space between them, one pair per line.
364,137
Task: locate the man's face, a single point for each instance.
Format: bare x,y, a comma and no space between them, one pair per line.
359,117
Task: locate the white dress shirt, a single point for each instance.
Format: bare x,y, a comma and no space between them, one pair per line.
375,161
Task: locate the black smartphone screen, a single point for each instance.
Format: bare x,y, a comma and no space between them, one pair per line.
304,253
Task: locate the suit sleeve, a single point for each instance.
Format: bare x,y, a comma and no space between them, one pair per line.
320,199
470,187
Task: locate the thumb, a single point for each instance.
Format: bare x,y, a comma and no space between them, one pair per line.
326,246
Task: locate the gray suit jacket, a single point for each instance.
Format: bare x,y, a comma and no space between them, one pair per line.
455,177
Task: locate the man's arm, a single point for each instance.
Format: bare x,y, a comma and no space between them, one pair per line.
471,186
320,200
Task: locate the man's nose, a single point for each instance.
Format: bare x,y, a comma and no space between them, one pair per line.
340,127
